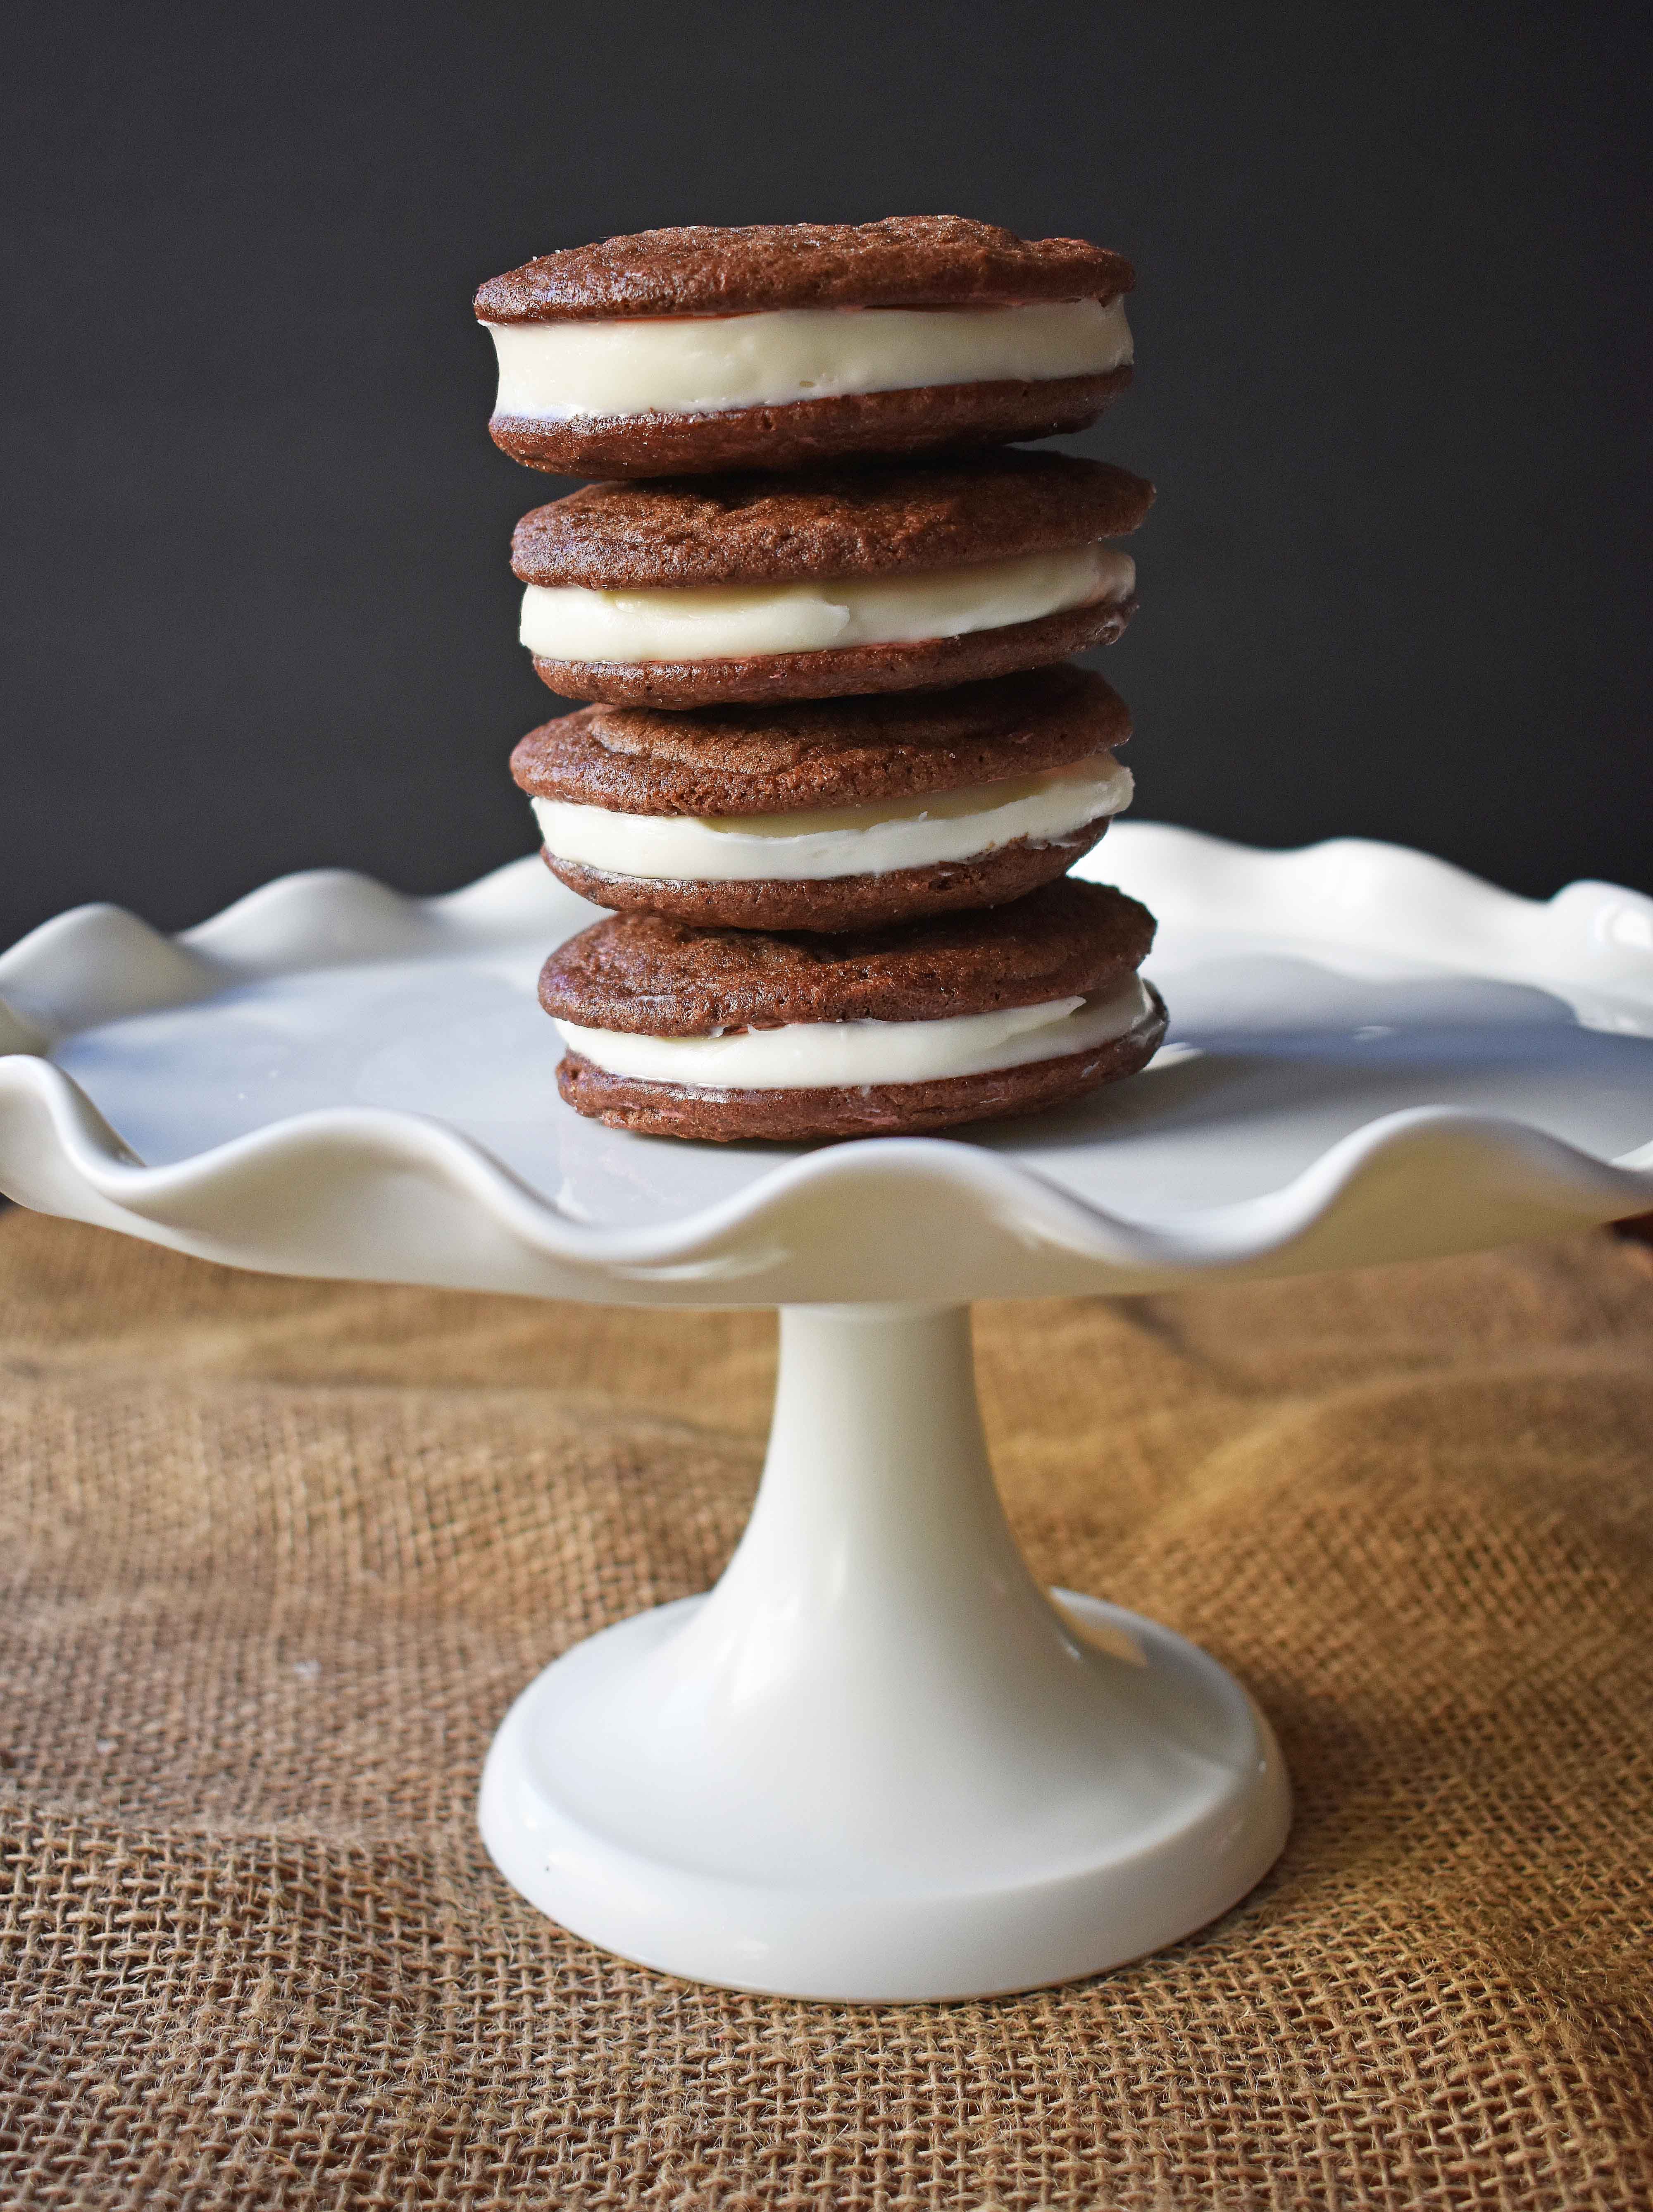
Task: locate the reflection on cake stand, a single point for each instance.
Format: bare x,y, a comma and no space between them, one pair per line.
877,1761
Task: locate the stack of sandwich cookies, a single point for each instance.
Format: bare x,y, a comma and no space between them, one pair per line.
834,767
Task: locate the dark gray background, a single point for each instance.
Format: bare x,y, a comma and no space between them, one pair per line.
1392,330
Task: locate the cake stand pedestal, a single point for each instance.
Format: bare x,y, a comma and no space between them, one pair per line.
889,1765
877,1761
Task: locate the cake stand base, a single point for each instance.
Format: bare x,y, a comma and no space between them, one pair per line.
878,1762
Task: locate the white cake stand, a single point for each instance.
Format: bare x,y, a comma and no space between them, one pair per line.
877,1761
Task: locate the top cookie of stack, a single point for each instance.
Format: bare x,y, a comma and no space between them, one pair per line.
679,351
810,407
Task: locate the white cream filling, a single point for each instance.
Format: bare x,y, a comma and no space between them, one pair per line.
844,1056
846,841
706,364
728,622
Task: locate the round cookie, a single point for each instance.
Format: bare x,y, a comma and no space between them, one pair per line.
827,674
656,977
894,1109
807,753
723,1034
901,261
862,812
826,523
778,346
830,583
1008,872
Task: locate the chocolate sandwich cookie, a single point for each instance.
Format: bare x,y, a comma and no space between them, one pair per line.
724,1034
830,814
831,582
675,352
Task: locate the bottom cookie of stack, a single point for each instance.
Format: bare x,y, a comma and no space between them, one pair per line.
723,1035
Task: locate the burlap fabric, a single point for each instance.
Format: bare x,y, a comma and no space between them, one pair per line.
277,1557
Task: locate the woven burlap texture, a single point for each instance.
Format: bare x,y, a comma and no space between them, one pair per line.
276,1556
